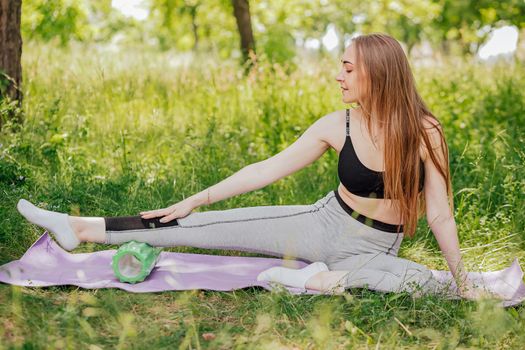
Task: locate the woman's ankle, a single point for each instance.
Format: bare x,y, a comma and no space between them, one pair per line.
76,225
88,229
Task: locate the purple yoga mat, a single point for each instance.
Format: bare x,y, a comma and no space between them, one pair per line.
46,264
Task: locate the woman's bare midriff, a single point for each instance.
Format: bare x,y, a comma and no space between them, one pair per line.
377,209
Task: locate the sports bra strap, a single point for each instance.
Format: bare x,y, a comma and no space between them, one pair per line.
347,122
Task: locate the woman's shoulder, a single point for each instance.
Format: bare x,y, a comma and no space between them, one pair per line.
434,131
332,126
334,120
431,123
338,117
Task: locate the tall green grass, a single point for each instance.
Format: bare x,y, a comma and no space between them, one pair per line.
116,132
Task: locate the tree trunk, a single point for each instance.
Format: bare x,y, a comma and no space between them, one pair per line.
241,11
194,27
10,49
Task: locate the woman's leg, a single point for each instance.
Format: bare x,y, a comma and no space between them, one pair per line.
329,281
295,231
93,229
71,230
57,223
88,229
386,273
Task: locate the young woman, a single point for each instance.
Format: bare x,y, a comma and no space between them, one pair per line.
393,167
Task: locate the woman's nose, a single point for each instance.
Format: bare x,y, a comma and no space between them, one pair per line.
339,77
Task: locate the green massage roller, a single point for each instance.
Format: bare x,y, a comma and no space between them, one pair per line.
134,261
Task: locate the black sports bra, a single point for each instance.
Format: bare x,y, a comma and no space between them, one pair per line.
356,177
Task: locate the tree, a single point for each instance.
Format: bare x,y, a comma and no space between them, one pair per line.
58,19
10,50
241,11
172,16
467,23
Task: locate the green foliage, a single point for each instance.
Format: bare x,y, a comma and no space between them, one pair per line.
463,24
451,27
110,133
106,22
4,83
193,25
10,113
62,19
279,44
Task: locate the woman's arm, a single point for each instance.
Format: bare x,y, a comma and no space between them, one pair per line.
439,216
310,146
305,150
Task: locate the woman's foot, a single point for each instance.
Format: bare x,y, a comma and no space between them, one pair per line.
56,223
292,277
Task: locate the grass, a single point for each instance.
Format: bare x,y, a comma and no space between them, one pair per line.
113,133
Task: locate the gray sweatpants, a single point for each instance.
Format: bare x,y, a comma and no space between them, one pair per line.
322,231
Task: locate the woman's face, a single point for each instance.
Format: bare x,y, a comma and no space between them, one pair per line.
347,76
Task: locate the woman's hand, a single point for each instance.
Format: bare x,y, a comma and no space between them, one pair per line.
177,210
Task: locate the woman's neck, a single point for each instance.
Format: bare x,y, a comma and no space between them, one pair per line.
375,133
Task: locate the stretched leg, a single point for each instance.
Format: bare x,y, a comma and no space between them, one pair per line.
58,223
295,231
71,230
387,273
93,229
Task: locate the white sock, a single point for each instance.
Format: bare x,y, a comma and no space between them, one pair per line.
292,277
57,223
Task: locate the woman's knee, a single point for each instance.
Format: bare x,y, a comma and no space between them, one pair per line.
416,278
328,281
385,273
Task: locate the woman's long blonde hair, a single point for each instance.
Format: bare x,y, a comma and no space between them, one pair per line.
389,97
